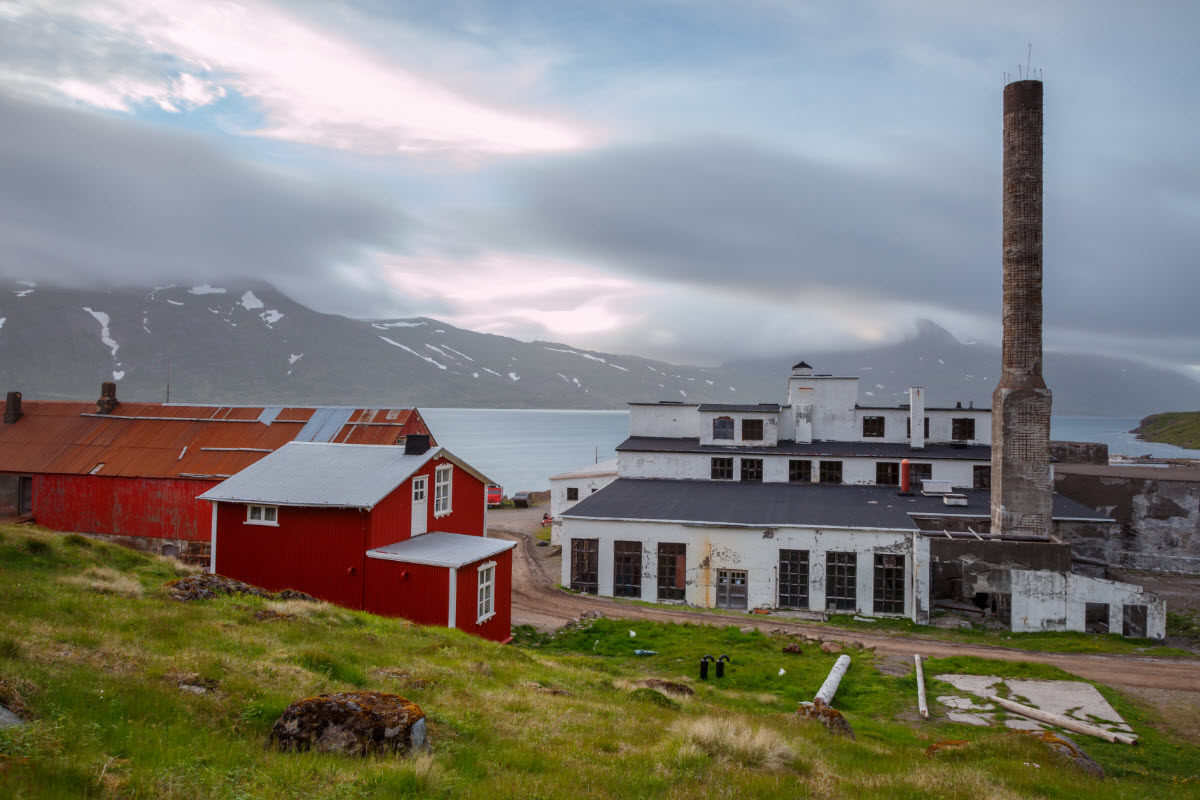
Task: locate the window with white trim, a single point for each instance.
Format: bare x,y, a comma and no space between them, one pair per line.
441,490
487,592
262,515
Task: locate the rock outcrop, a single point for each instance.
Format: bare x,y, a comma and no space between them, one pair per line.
352,723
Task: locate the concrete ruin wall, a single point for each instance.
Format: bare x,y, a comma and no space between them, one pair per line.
1158,520
963,568
1079,452
1052,601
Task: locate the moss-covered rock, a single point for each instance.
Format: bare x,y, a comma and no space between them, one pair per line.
206,586
352,723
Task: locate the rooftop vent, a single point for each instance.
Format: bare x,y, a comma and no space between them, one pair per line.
936,487
12,408
954,499
108,398
416,444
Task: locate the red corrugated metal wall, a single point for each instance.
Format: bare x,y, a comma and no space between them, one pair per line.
315,550
423,596
164,508
499,626
391,519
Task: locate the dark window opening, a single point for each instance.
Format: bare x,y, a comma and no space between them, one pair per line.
887,473
752,430
908,428
627,569
920,472
585,562
981,476
24,495
799,471
831,472
962,429
731,588
572,493
752,469
889,584
841,581
722,469
723,428
672,565
1133,621
793,579
1095,617
872,427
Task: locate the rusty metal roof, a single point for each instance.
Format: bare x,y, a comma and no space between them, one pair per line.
157,440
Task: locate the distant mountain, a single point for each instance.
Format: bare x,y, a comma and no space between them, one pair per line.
252,344
952,371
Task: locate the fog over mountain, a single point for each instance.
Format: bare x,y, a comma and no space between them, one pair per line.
250,343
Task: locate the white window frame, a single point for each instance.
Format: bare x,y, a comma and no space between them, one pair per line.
443,490
485,606
267,515
419,488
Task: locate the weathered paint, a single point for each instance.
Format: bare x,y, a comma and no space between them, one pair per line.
1054,601
415,592
498,627
315,550
162,508
754,550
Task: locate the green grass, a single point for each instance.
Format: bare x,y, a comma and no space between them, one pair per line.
559,716
1180,428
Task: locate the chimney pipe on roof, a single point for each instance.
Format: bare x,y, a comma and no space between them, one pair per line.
12,408
108,398
416,444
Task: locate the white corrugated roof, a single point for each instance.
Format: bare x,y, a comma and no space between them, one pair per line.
442,549
323,474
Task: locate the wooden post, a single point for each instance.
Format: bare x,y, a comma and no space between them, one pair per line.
922,705
830,686
1063,722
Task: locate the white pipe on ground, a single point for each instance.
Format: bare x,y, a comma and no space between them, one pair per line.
830,686
1063,722
922,705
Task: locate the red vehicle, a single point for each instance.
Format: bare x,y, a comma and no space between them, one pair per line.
495,495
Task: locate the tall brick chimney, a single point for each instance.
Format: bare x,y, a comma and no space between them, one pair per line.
108,398
1021,490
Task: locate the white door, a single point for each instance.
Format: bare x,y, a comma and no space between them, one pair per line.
420,506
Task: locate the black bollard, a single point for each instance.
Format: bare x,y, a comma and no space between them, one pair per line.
704,667
721,665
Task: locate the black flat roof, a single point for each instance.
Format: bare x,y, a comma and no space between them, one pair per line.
779,504
896,450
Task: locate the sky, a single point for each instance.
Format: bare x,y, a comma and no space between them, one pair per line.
690,180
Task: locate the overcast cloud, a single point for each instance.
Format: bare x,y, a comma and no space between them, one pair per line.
690,181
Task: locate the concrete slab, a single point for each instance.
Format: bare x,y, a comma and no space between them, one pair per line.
1072,699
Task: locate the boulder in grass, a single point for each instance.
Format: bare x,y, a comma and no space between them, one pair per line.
207,585
833,720
352,723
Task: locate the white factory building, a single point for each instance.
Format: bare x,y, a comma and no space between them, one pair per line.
794,506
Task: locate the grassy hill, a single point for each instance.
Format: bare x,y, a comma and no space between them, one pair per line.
99,652
1180,428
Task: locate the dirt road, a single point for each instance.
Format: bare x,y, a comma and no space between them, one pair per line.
537,602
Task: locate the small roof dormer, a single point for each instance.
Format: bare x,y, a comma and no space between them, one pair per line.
801,369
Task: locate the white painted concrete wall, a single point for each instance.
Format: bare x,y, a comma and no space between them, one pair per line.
667,419
698,467
585,484
754,550
1054,601
941,424
895,424
770,423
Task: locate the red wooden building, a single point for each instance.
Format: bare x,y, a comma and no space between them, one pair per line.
133,471
399,531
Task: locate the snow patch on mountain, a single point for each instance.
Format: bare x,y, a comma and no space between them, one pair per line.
204,288
577,353
118,374
514,376
457,353
271,316
293,358
250,302
414,352
103,319
22,292
2,321
383,326
175,302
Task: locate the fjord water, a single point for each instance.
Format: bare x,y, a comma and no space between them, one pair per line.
521,448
